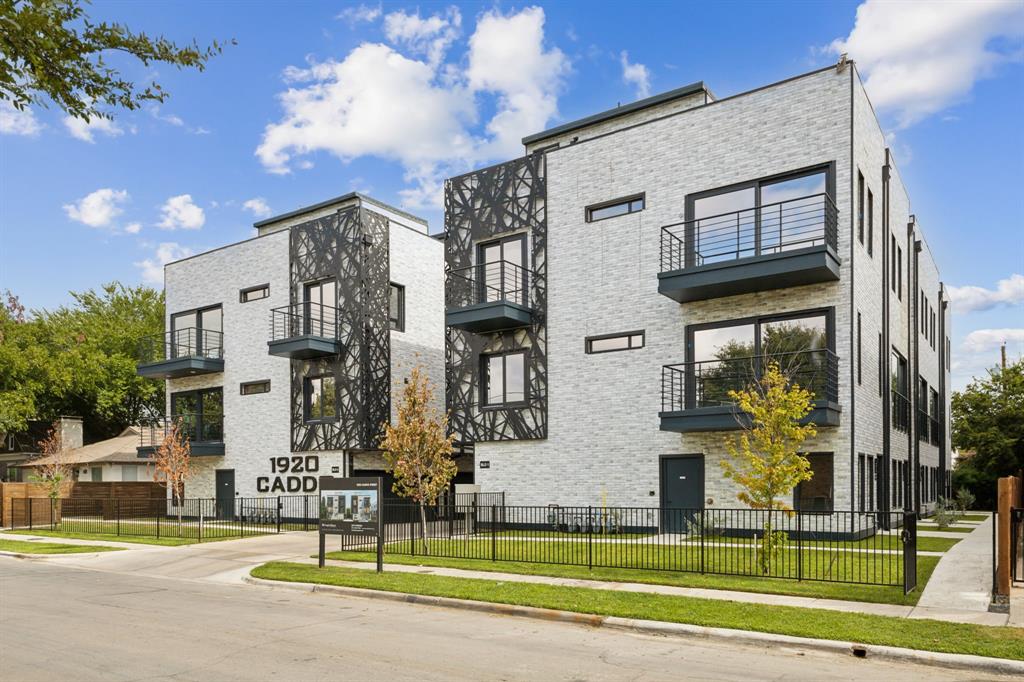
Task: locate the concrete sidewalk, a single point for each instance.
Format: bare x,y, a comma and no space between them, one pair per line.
960,586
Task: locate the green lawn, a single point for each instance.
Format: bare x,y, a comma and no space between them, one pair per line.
975,517
800,622
948,529
27,547
133,539
806,588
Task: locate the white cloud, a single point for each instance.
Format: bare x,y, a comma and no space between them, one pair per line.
258,207
153,268
979,352
99,208
360,13
1009,291
180,212
921,57
984,340
636,75
430,37
86,131
133,228
424,113
16,122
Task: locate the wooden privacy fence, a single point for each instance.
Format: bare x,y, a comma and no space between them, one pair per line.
134,490
1008,540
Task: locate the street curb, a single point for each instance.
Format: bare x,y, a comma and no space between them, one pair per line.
890,653
43,557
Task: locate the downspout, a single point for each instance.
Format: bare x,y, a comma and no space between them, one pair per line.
886,353
915,339
942,389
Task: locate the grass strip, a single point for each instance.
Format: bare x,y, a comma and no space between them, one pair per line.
975,517
948,529
27,547
876,594
927,635
133,539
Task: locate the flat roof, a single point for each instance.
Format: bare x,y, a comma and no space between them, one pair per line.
618,111
337,200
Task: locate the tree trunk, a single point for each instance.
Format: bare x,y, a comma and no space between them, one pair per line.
423,528
178,503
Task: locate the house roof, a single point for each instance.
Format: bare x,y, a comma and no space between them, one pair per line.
120,449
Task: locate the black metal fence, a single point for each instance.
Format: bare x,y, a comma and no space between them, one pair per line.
192,518
844,547
768,229
707,383
187,342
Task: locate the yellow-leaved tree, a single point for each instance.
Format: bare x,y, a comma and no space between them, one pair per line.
765,460
418,449
173,462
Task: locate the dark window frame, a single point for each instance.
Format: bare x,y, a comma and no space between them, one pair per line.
199,414
860,355
588,341
628,200
244,293
397,324
307,399
871,223
259,382
832,487
758,320
860,206
484,384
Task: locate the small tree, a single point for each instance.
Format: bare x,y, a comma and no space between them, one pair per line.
173,463
53,468
764,459
964,500
417,449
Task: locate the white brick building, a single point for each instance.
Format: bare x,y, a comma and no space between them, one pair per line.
698,237
282,352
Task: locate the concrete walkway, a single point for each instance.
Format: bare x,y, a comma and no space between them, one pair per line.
960,587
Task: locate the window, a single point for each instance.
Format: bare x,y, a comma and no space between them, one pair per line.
607,343
860,207
923,421
881,365
200,413
932,333
900,403
502,275
96,474
616,207
860,364
129,472
197,333
504,379
933,410
871,223
861,483
396,307
815,495
321,401
899,272
254,387
254,293
892,259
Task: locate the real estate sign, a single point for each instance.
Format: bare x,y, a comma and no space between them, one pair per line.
351,506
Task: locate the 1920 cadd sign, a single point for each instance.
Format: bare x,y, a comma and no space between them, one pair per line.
350,506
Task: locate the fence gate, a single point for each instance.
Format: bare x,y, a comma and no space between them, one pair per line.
1016,545
909,538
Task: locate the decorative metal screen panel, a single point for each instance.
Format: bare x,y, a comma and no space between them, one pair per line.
350,246
482,205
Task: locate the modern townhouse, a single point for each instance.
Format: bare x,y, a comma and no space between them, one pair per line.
283,352
605,291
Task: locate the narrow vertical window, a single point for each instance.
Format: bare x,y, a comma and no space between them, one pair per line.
881,360
899,273
396,307
860,362
871,223
892,258
860,207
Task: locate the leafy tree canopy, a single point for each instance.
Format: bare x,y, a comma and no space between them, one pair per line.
988,422
80,360
51,51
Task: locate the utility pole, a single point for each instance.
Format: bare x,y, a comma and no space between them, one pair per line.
1002,351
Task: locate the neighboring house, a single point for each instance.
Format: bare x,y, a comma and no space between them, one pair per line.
605,291
21,447
284,353
115,459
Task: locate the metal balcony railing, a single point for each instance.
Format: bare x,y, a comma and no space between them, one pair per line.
936,431
924,423
900,411
488,283
198,428
304,319
188,342
692,385
769,229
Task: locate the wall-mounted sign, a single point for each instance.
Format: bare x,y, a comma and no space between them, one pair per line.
295,474
350,506
485,464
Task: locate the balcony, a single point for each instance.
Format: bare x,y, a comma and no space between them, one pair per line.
695,395
488,297
786,244
181,353
205,434
304,331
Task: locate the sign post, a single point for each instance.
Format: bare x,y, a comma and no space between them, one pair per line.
351,506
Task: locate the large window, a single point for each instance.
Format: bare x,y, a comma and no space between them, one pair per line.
502,275
197,333
727,356
321,400
758,217
320,316
898,382
816,494
616,207
201,413
504,379
396,307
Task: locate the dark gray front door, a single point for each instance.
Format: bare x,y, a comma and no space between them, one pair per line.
225,493
682,491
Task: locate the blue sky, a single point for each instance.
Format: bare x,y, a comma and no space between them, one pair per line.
429,91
